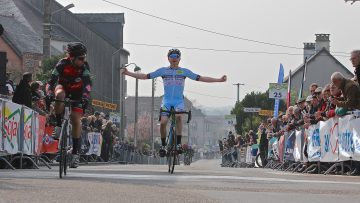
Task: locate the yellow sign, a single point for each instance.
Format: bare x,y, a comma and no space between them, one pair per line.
103,104
267,113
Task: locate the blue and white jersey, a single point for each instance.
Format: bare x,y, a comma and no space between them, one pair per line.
174,81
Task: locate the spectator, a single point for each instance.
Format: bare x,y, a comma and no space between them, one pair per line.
313,88
350,91
107,141
22,94
9,84
97,122
355,60
335,93
38,102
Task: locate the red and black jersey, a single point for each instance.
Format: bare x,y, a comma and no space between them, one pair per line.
73,79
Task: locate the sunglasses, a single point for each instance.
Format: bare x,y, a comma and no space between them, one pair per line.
81,58
174,56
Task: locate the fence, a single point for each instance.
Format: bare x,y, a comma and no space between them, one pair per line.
327,146
25,136
21,135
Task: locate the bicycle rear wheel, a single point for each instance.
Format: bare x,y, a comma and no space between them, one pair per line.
63,151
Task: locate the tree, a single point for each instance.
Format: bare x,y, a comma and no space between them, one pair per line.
250,121
47,67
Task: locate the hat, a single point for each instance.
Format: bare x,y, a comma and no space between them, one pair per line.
40,83
96,113
318,90
300,100
314,96
27,76
309,98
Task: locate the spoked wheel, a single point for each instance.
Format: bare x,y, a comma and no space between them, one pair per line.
258,161
170,158
174,155
63,151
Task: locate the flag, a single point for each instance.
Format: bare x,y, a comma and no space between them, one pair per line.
280,81
303,80
288,98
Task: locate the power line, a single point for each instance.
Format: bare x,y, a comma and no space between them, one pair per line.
221,50
201,29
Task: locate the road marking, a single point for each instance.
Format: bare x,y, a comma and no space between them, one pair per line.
201,177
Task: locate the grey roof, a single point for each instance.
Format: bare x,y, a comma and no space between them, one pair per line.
322,51
101,17
35,19
20,37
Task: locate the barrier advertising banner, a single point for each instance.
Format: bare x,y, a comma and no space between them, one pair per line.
346,147
329,140
1,124
27,136
95,140
40,123
298,146
313,138
281,148
289,146
12,115
355,125
49,144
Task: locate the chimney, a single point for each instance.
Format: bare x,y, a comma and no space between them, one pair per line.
322,41
309,50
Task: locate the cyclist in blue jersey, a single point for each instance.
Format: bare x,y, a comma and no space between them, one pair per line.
174,81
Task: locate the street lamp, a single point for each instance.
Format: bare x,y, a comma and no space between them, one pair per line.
122,100
136,70
47,26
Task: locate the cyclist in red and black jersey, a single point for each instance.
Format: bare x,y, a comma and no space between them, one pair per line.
71,79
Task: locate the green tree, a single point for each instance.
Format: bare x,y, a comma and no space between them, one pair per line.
250,121
47,67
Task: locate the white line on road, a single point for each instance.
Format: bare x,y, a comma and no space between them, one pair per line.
201,177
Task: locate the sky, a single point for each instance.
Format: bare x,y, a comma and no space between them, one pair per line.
289,23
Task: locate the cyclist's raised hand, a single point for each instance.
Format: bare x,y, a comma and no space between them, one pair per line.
124,71
223,78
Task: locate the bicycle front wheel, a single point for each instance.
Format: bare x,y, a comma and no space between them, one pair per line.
63,150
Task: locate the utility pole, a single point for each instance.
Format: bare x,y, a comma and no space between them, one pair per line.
136,70
152,113
46,28
238,91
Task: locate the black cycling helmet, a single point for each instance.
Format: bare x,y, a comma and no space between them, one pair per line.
76,49
174,51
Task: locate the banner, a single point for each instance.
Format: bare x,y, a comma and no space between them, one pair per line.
95,140
49,144
346,147
355,125
281,148
313,138
289,146
27,135
2,129
12,114
248,155
329,140
40,122
298,153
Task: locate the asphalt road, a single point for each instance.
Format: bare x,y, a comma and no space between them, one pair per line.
203,181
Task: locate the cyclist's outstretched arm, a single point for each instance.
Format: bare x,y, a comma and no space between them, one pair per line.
210,79
141,76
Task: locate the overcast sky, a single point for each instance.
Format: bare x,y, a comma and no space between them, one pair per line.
284,22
